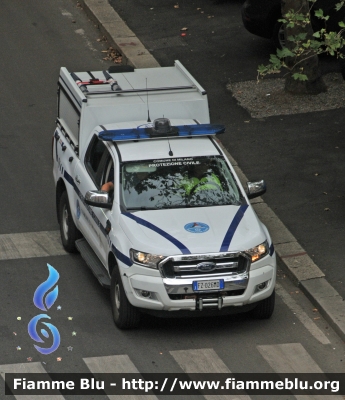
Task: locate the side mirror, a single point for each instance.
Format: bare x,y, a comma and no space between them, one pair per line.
98,198
256,189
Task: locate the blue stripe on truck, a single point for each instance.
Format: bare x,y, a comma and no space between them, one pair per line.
160,231
233,226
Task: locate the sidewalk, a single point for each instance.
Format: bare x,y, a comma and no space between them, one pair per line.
249,138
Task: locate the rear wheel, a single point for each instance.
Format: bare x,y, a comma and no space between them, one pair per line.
68,231
125,315
265,308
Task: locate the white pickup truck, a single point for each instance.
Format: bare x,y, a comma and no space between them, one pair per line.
155,208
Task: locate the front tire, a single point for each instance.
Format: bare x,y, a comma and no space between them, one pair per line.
265,308
125,315
68,231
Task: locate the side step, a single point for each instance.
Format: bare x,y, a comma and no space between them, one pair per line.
93,262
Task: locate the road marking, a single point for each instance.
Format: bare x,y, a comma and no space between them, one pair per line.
301,315
283,358
81,32
293,358
289,358
204,361
120,364
30,244
28,368
67,14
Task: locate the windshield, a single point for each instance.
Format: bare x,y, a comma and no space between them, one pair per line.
178,183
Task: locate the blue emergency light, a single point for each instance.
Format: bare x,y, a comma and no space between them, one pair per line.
161,128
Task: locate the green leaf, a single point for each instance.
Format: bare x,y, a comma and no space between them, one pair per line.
341,24
274,59
284,52
262,69
338,6
316,34
300,77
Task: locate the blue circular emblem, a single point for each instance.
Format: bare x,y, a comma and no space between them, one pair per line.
196,227
78,209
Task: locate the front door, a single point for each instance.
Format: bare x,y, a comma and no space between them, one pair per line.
94,221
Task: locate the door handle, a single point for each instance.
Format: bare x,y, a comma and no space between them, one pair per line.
77,179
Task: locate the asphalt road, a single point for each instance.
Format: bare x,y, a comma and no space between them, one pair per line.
39,38
300,156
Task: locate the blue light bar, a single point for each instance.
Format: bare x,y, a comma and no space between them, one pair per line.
147,133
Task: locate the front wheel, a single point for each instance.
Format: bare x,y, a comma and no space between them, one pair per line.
125,315
68,231
265,308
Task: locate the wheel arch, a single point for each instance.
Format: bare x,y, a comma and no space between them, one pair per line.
60,188
112,262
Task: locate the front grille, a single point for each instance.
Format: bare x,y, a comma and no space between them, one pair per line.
197,266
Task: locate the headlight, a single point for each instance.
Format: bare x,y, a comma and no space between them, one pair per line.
145,259
259,251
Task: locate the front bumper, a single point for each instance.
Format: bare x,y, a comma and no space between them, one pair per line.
156,293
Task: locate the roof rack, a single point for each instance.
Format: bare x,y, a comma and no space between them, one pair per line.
83,85
114,86
120,91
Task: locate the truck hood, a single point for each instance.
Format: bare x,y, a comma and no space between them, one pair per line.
193,230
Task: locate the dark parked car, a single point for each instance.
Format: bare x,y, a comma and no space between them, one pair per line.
260,17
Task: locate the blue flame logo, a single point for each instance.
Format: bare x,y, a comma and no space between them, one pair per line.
32,329
43,299
43,289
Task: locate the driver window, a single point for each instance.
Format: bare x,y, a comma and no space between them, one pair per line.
98,162
108,175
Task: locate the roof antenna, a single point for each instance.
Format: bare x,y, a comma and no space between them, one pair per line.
147,104
170,151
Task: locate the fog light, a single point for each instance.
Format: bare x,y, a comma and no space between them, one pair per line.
145,293
262,286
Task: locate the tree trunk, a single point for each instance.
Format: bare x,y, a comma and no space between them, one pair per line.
310,67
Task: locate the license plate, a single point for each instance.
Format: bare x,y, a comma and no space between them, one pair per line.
208,285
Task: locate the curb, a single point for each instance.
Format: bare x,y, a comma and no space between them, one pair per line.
297,264
118,34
